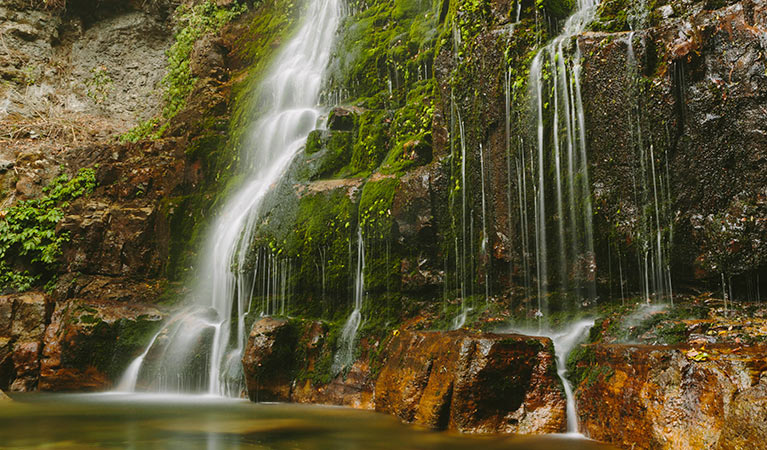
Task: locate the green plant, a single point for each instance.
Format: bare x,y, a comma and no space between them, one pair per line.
28,231
97,87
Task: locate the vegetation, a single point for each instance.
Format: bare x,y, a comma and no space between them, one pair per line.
28,231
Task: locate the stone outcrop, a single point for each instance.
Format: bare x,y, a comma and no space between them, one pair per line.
685,397
23,318
481,383
88,344
485,383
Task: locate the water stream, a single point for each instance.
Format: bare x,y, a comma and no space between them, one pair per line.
565,340
344,357
210,337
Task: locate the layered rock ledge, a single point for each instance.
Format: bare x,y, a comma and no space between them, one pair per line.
682,397
460,380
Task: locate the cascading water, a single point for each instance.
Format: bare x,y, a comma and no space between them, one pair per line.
345,354
559,168
565,340
564,343
651,194
199,350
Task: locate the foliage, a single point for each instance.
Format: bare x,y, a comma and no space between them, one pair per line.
28,230
99,84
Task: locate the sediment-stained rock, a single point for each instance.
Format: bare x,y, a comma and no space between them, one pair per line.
90,343
685,397
23,318
473,382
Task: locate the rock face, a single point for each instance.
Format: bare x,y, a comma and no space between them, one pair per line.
480,383
472,383
268,360
23,318
88,344
651,397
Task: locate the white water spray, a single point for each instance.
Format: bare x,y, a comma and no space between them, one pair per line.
288,101
345,355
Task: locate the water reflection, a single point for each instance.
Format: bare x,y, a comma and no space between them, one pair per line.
212,423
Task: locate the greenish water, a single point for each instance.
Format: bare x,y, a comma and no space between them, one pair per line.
71,421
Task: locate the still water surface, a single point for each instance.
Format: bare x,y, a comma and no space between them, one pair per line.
108,421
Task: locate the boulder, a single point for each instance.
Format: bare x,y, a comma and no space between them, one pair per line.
685,397
89,344
268,360
484,383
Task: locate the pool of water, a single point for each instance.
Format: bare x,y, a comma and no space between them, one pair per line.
131,421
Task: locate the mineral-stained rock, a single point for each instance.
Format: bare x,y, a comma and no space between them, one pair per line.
746,423
290,361
23,318
652,397
268,359
89,343
472,383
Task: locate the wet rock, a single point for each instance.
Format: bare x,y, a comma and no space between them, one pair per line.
290,360
650,397
23,318
88,344
26,362
745,425
342,119
472,383
268,359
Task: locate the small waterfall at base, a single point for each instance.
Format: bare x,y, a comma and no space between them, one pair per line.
199,349
564,343
565,340
344,356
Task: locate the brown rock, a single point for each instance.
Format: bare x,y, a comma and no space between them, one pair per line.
652,397
472,383
26,361
89,344
268,359
746,423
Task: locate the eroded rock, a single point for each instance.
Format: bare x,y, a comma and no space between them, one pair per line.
653,397
90,343
472,383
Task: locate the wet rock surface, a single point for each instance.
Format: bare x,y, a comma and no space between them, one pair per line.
88,344
673,397
480,383
485,383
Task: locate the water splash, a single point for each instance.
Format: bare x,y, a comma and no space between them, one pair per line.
565,341
206,341
344,357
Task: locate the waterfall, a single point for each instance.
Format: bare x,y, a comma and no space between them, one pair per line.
565,340
344,357
564,343
652,195
563,244
199,350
